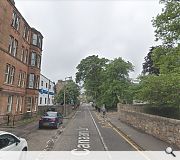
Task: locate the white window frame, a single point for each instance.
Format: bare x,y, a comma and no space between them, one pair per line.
35,39
14,15
11,44
26,55
23,79
20,79
17,103
7,73
29,104
12,73
15,47
33,59
9,103
15,21
31,80
42,83
38,61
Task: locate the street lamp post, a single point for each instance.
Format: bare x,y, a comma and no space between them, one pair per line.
65,94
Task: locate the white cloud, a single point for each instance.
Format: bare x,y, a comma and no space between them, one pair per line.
75,29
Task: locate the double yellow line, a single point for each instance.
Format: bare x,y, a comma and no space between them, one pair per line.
128,140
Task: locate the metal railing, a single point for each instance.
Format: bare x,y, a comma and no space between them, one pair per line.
10,120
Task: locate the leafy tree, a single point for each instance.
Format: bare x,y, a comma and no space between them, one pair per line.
114,87
167,23
167,59
72,93
148,65
160,90
164,89
89,72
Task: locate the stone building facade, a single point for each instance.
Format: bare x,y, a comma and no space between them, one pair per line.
20,62
59,86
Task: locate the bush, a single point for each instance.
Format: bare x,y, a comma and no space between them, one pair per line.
164,111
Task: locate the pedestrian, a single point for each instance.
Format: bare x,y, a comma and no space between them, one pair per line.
103,109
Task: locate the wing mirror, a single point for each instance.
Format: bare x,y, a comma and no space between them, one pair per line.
17,142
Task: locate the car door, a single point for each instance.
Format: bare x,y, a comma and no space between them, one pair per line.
9,143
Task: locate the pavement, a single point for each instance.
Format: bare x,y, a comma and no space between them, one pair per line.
25,127
102,132
143,140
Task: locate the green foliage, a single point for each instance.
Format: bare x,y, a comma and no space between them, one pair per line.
71,92
115,83
160,90
106,81
167,59
148,65
89,72
163,89
167,23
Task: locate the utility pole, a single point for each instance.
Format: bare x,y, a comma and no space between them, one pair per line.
70,78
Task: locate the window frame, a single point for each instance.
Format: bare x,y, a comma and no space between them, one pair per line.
15,23
35,39
29,104
10,103
33,59
31,81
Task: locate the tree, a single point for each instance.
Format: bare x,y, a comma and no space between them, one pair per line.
89,72
167,59
160,90
167,23
164,89
72,93
115,84
106,81
148,65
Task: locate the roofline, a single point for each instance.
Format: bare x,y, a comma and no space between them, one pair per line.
46,78
15,8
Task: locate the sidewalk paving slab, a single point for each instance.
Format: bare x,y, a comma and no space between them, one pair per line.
21,129
144,140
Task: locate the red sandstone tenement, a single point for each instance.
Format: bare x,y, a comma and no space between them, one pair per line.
20,62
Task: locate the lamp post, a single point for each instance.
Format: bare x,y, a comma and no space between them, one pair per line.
70,78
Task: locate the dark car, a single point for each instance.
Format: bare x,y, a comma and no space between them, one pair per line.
51,119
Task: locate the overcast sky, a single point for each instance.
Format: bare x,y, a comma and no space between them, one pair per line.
74,29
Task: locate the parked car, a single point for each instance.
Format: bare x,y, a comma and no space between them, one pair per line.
10,142
51,119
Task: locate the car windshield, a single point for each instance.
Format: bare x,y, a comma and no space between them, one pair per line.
51,114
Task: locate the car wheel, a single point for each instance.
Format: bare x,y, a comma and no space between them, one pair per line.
24,149
57,126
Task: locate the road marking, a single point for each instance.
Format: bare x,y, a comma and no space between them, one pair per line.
129,142
102,140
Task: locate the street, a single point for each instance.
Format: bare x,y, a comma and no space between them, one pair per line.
88,131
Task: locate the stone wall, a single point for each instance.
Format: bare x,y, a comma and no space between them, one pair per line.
163,128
